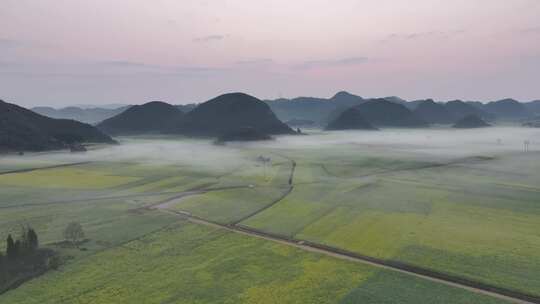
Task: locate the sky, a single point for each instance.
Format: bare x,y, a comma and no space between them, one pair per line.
69,52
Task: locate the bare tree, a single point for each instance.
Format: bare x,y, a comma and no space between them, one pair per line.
74,233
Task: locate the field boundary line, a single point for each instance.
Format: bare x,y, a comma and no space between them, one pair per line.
45,168
456,162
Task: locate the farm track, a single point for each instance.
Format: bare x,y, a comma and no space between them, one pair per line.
146,194
45,168
288,191
88,199
423,273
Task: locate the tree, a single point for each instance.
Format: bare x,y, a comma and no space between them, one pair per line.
74,233
23,239
11,249
32,238
17,249
24,246
3,269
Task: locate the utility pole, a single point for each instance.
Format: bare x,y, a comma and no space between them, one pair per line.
266,164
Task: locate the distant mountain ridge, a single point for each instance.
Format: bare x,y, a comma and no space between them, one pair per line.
507,109
434,113
533,107
460,109
86,115
324,110
312,108
24,130
93,114
237,112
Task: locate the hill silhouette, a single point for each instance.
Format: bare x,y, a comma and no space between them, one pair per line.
350,119
460,110
186,107
302,108
24,130
384,113
229,113
507,109
411,105
533,107
471,121
152,117
311,108
396,99
346,99
434,113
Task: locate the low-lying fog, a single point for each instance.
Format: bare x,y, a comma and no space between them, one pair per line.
443,142
203,154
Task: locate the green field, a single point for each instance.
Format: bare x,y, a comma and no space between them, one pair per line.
186,263
471,220
474,215
227,206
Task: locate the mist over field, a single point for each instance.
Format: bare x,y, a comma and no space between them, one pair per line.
443,142
166,202
203,154
200,154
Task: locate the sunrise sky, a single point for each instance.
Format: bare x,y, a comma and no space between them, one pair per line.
66,52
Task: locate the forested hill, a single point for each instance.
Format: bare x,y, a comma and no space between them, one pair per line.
24,130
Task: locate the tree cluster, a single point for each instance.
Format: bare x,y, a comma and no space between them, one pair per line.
26,244
23,259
